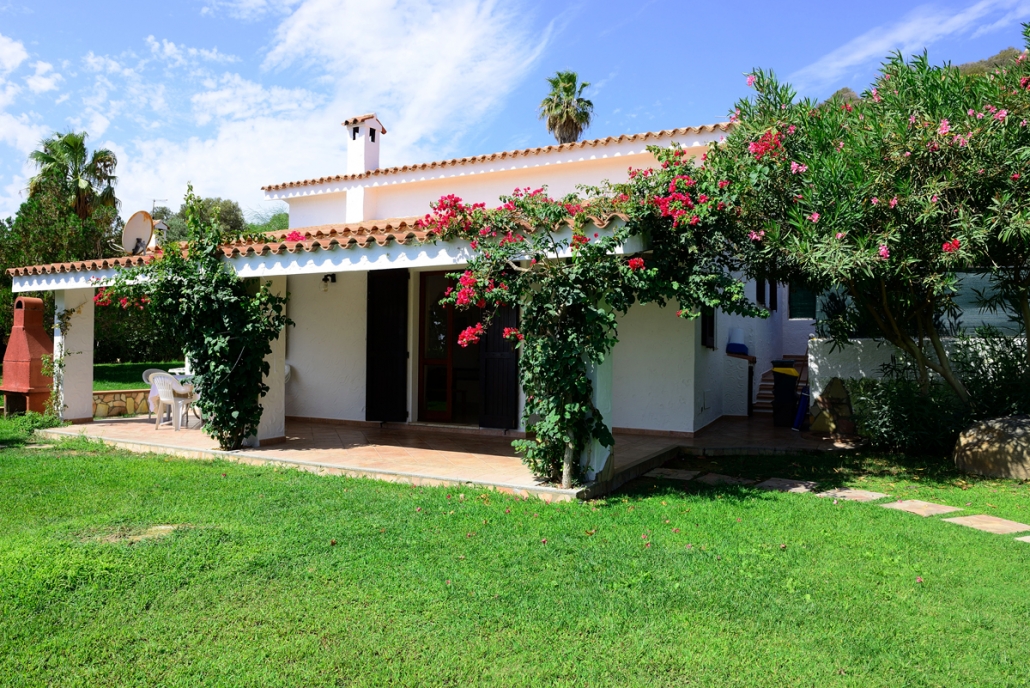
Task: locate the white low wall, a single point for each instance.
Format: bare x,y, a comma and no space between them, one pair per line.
861,358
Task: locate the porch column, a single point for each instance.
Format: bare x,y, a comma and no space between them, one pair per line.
73,354
597,460
272,428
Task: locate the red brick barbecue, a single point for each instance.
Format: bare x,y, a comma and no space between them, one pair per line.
25,388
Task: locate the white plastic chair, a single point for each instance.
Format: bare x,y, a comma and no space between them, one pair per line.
146,378
174,398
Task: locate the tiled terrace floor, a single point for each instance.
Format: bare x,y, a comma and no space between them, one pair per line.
425,455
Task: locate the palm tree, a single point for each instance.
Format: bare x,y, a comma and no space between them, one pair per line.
88,180
566,111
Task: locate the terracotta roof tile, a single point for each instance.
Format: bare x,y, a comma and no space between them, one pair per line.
87,265
364,118
319,237
525,152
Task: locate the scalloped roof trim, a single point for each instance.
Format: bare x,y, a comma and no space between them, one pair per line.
525,152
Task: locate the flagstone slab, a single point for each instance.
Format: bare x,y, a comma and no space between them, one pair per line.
990,524
787,485
672,474
1024,539
852,495
719,479
920,508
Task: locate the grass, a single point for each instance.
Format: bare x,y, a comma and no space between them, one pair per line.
279,577
109,376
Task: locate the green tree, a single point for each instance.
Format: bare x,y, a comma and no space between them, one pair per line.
86,179
565,109
890,198
228,214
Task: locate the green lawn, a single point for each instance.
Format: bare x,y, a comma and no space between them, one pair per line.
108,376
279,577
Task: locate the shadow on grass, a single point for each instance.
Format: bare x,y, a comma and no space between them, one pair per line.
829,469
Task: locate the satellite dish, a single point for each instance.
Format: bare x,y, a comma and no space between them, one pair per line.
137,233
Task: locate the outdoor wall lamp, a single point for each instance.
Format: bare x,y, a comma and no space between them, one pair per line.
326,280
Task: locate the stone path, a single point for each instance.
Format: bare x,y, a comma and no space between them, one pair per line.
920,508
989,524
852,495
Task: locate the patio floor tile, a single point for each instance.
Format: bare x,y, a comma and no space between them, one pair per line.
719,479
920,508
672,474
787,485
990,524
852,495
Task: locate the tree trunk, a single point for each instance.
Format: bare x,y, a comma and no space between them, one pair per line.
566,473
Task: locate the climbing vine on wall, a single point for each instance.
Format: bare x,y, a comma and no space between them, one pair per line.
224,326
571,266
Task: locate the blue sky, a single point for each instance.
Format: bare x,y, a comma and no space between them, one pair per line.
234,94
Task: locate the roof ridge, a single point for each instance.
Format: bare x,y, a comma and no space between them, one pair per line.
522,152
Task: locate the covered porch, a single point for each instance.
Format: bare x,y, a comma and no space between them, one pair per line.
398,452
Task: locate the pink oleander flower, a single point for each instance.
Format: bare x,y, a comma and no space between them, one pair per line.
1023,123
907,153
814,217
750,80
894,201
791,129
1015,176
840,235
885,252
876,96
874,200
933,199
951,246
971,112
912,119
795,168
1001,114
756,236
944,128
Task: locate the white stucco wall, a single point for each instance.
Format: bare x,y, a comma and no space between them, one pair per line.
860,358
709,384
273,404
326,347
653,371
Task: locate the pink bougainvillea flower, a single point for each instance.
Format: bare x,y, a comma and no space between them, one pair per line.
814,217
885,252
470,335
951,246
919,579
294,236
723,183
636,263
543,541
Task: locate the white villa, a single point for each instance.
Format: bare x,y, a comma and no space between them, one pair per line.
372,345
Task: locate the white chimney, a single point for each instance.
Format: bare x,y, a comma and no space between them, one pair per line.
364,134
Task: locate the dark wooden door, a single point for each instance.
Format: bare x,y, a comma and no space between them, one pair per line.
386,353
499,374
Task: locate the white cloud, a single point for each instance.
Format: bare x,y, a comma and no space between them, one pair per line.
45,79
238,98
248,9
178,55
12,54
915,31
431,70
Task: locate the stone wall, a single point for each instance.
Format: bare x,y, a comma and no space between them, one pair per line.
120,402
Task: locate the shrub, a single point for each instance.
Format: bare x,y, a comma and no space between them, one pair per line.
894,414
